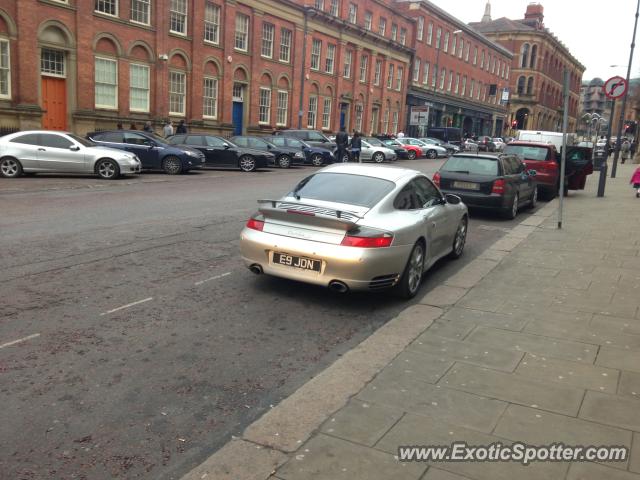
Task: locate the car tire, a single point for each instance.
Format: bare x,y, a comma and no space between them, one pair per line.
512,211
378,157
172,165
533,200
411,155
10,167
247,163
412,276
284,161
432,154
460,238
107,169
317,160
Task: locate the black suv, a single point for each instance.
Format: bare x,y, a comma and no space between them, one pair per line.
285,156
315,138
220,152
153,151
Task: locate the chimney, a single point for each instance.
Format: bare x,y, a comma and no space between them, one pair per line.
534,15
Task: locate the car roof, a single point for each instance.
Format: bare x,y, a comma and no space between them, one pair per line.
532,143
484,156
384,172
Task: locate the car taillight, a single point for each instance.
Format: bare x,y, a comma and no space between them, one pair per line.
255,224
498,187
436,179
367,238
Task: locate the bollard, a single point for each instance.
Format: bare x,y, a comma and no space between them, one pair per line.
603,178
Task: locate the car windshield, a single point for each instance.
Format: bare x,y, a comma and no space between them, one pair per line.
82,141
344,188
392,143
528,152
471,165
157,138
295,143
374,141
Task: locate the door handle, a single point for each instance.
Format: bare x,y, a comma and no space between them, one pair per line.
42,149
209,149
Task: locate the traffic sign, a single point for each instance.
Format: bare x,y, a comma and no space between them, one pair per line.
615,87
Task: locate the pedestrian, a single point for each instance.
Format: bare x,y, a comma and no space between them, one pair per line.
182,127
119,126
342,140
147,127
356,146
167,130
635,181
132,126
400,135
633,149
625,148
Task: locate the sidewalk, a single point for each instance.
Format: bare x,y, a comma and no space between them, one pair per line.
537,341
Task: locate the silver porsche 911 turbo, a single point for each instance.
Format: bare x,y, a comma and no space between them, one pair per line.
356,227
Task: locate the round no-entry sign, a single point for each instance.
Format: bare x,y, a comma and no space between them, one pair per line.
615,87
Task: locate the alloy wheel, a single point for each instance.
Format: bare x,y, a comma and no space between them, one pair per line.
107,169
10,168
378,157
416,264
172,166
247,163
461,238
317,160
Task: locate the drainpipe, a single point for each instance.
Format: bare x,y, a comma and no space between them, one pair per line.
304,66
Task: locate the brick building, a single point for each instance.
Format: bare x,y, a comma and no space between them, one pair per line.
536,82
224,66
457,73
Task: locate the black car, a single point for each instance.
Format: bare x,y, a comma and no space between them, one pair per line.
315,138
316,156
284,156
496,182
153,151
377,142
486,144
220,152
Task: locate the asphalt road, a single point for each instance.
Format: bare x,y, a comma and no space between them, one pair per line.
143,342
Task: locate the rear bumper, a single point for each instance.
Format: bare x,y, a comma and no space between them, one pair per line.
358,268
479,200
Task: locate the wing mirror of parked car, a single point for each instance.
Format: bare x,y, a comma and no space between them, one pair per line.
226,146
452,199
74,148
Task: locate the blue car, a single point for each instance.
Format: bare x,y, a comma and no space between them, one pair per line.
153,151
316,156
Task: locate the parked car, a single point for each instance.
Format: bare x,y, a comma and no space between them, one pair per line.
449,147
413,151
499,143
316,156
451,135
494,182
220,152
486,144
315,138
428,150
376,153
284,156
400,151
153,151
43,151
469,145
356,227
545,159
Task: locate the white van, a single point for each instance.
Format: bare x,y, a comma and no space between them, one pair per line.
555,138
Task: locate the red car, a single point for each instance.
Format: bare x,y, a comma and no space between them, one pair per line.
413,151
545,160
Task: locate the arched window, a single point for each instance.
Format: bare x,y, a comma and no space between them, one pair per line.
530,86
534,54
524,55
521,85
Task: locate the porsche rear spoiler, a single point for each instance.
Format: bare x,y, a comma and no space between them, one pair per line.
308,214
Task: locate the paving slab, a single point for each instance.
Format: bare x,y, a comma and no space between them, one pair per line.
514,388
573,374
471,274
482,318
449,405
417,365
491,254
451,329
443,296
634,461
623,412
629,384
535,427
329,458
507,243
594,471
362,422
417,430
539,345
617,324
488,356
437,474
619,358
584,333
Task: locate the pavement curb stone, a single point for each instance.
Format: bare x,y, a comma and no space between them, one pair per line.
272,439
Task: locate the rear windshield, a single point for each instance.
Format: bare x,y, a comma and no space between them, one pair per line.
528,152
471,165
344,188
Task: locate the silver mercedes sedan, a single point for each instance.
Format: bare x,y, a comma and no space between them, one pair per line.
376,153
356,227
45,151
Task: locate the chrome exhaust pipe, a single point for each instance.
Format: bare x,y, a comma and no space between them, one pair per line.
255,268
338,286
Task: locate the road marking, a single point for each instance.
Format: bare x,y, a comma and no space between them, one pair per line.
127,306
20,340
212,278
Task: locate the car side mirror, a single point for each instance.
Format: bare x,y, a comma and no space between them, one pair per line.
74,148
452,199
226,146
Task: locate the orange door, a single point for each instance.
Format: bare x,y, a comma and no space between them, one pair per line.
54,102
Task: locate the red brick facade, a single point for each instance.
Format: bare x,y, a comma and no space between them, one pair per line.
180,71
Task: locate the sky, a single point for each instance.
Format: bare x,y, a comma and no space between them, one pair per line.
596,32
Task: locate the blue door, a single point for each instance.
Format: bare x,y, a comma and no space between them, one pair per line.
343,113
237,118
